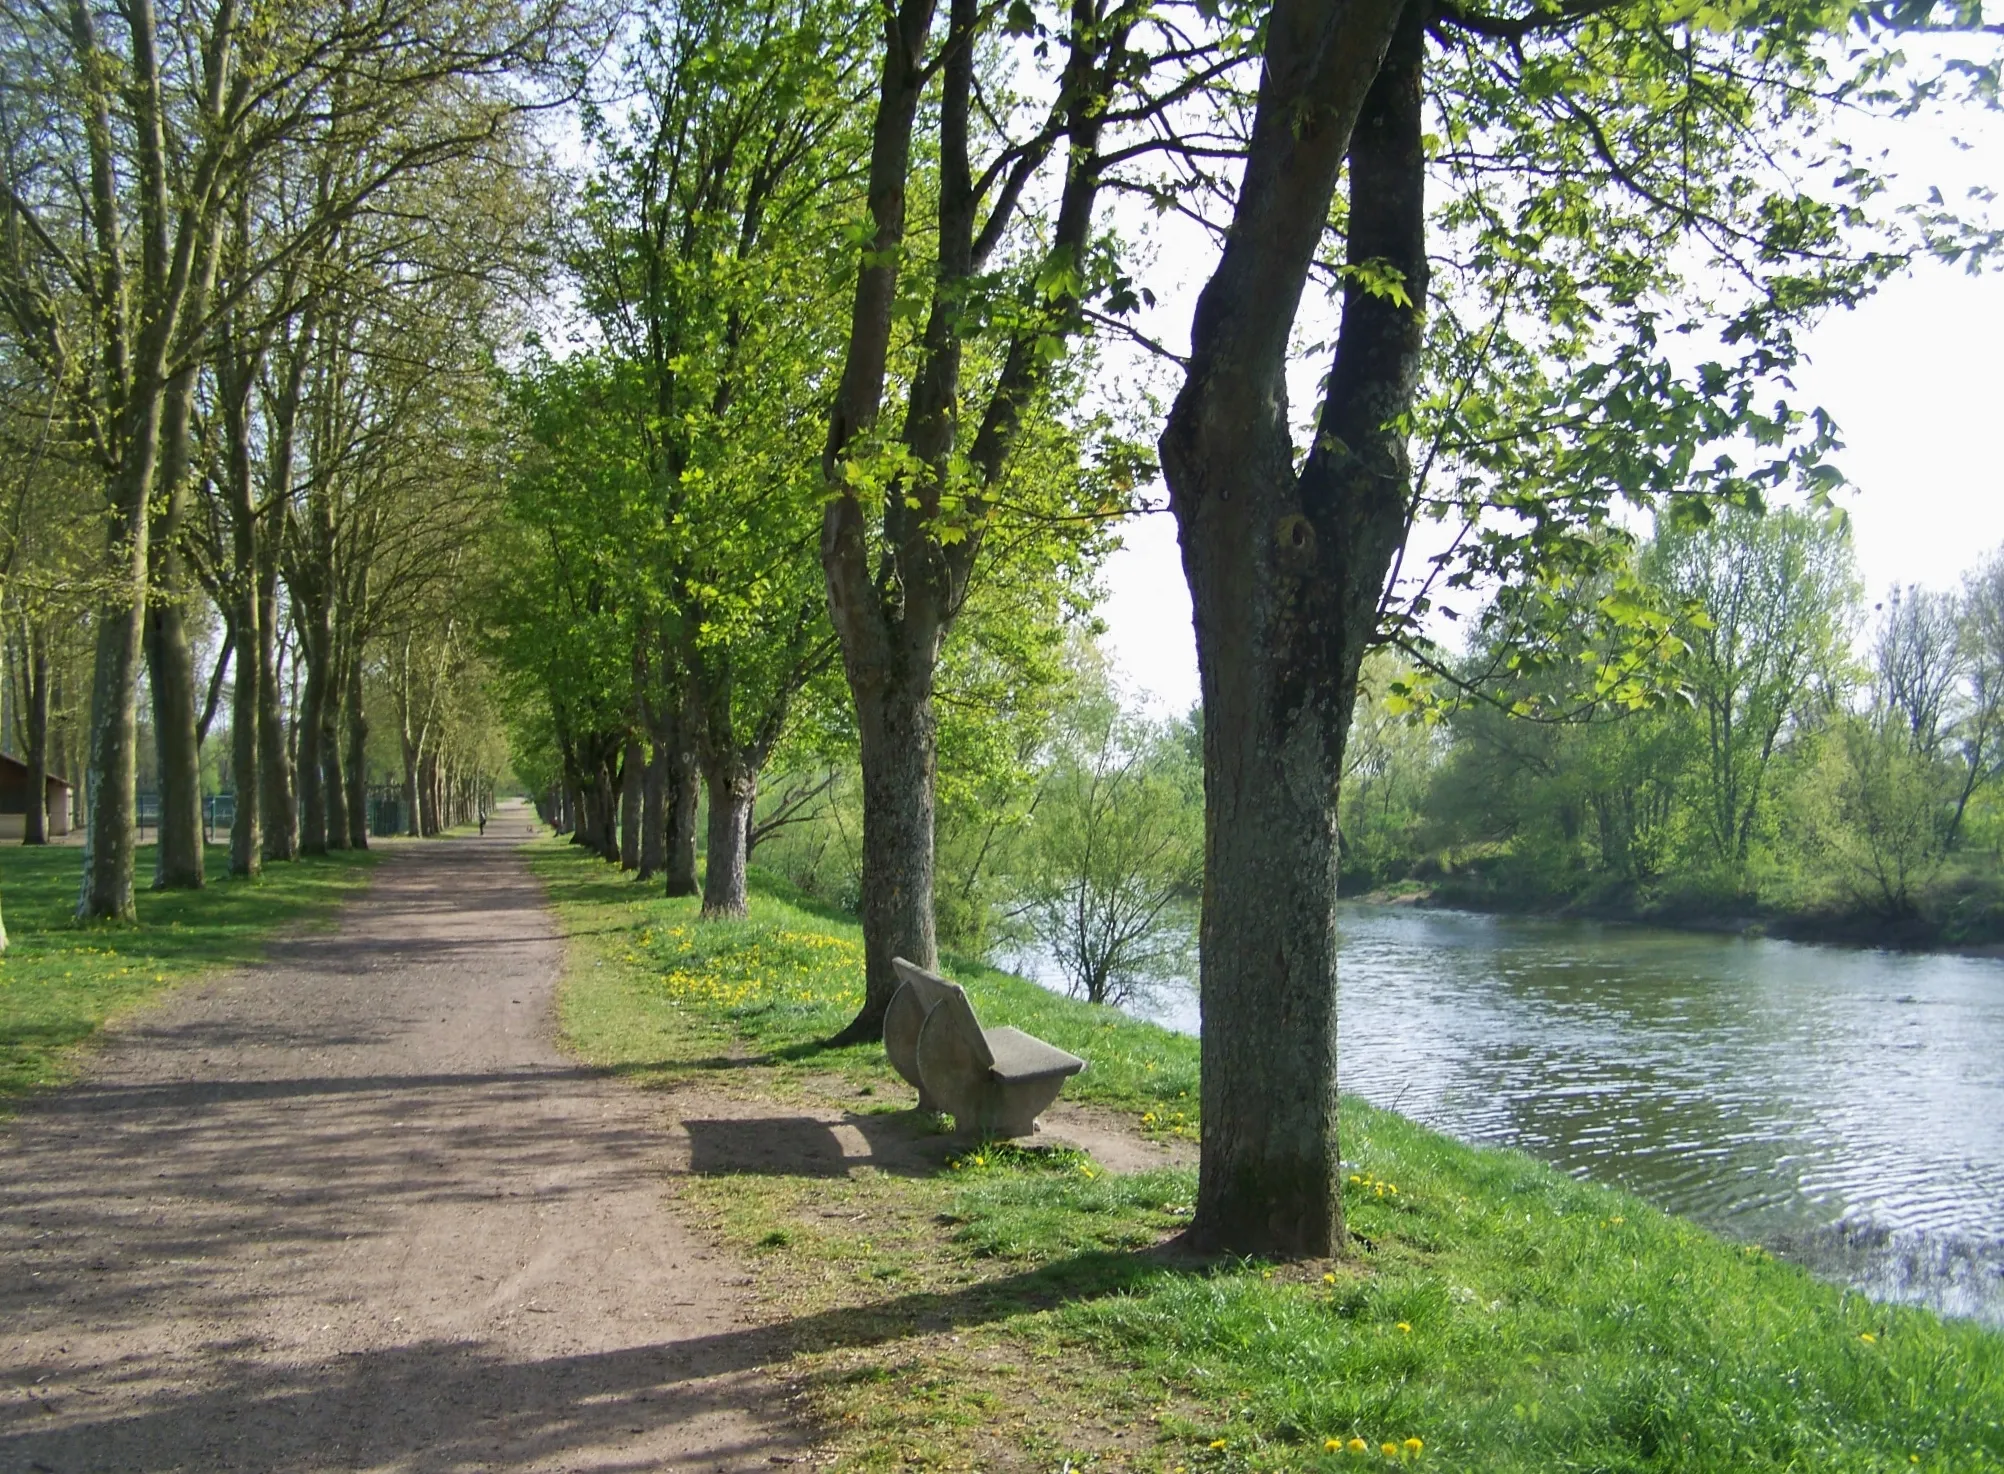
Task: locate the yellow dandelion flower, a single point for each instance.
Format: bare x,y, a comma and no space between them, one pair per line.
1413,1445
1356,1445
1389,1450
1328,1279
1868,1338
1331,1445
1403,1326
1217,1443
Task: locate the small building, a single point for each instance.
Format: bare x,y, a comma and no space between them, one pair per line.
14,800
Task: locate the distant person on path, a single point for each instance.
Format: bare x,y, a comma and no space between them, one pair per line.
483,823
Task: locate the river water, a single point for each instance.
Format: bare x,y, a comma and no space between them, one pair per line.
1843,1108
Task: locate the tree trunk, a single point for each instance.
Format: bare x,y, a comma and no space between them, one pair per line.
111,772
631,782
575,811
412,826
654,813
246,823
358,757
680,779
170,659
605,812
898,750
35,651
683,803
308,728
280,815
333,775
428,794
1285,575
170,662
733,789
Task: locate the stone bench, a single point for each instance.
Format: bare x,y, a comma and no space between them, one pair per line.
993,1082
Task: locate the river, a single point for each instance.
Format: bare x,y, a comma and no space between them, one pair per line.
1843,1108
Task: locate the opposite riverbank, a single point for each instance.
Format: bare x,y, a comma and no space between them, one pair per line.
996,1307
1974,928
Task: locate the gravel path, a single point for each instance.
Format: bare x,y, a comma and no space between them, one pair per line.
353,1210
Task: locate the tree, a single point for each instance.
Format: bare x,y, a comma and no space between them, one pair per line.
1979,736
1585,147
1387,764
1778,593
910,507
705,250
1114,846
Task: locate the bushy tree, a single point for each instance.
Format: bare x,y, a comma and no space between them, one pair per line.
1114,849
1778,595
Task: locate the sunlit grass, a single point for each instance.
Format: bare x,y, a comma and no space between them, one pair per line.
60,981
790,976
1494,1316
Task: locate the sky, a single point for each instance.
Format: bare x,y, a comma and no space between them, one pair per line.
1914,379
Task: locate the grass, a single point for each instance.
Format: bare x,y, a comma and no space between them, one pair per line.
1028,1309
60,981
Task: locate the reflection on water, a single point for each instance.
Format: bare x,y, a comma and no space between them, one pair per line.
1844,1108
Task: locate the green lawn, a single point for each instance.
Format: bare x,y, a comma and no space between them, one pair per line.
1027,1306
59,982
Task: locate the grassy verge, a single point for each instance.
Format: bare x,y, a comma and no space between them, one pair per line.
60,982
1027,1309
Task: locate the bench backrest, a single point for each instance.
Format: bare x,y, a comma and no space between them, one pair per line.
960,1014
934,991
928,987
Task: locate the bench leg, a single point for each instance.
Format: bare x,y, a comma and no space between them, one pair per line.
1004,1110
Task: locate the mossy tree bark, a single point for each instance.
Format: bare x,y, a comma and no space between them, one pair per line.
1286,570
170,656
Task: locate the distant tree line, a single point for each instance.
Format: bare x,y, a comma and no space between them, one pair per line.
1808,758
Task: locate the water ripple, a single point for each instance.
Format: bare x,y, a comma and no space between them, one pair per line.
1845,1108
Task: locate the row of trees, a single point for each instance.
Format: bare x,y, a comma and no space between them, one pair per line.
256,264
891,232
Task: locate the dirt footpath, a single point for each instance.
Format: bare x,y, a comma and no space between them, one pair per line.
353,1210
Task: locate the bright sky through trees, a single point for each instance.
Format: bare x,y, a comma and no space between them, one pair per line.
1913,378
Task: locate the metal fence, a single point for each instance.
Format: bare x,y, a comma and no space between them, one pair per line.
387,814
219,812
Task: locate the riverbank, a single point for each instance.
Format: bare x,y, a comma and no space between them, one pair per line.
1974,928
1005,1308
61,982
